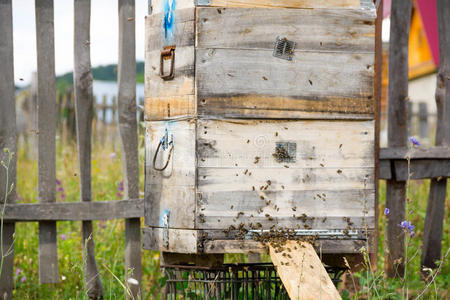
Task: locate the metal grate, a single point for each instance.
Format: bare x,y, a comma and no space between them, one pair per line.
284,48
230,281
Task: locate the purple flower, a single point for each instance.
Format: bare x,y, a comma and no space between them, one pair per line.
414,141
58,182
386,211
119,195
63,237
113,155
410,227
63,196
60,189
23,279
120,187
403,224
411,234
18,271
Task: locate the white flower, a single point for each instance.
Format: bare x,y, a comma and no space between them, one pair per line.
63,277
132,281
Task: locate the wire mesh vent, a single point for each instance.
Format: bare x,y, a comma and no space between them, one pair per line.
258,281
284,48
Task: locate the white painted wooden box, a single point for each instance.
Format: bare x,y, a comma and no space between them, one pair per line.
259,122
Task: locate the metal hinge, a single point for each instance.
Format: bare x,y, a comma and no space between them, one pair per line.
283,48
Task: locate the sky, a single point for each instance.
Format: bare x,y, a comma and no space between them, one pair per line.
104,35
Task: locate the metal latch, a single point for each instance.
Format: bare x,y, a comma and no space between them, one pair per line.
166,144
284,48
167,53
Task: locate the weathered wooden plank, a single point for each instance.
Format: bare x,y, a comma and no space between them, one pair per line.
397,131
302,272
418,169
164,5
245,144
84,110
170,240
432,233
172,98
180,32
285,209
75,211
333,30
170,191
7,141
439,152
48,254
129,140
232,81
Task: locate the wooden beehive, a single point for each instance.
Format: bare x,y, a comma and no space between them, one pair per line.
264,125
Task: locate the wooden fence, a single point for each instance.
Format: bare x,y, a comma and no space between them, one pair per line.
400,163
47,212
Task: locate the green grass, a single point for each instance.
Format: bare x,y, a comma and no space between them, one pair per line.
109,238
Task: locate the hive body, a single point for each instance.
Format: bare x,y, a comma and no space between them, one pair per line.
241,142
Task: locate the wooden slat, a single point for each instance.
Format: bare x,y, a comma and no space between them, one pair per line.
129,140
48,255
432,233
333,30
242,83
170,240
174,98
171,191
158,6
7,140
302,272
418,169
397,130
84,111
439,152
75,211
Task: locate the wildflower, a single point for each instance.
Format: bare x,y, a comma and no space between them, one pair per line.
18,271
60,189
113,155
58,182
63,237
132,281
404,224
408,226
386,211
23,279
63,277
414,141
120,187
63,196
411,234
119,195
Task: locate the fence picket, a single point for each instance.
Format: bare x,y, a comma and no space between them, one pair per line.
129,138
84,110
7,140
397,130
46,109
432,232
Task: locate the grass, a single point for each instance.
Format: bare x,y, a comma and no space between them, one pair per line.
109,238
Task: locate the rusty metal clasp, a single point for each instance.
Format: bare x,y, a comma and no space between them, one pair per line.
167,53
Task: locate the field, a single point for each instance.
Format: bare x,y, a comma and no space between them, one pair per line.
109,238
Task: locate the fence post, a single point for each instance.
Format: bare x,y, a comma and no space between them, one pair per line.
84,110
129,139
432,232
7,140
48,253
423,120
397,131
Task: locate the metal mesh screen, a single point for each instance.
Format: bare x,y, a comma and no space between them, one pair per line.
230,281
